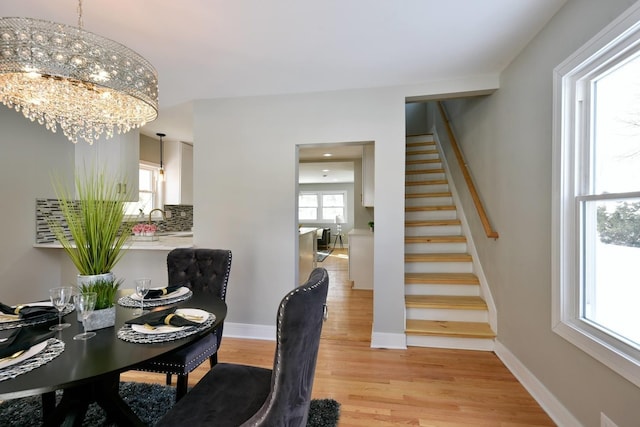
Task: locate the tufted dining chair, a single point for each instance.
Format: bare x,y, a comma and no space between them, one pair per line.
232,395
205,271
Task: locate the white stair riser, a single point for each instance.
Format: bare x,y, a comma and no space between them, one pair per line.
420,155
438,267
434,248
426,188
480,344
433,230
424,176
428,201
442,289
447,315
428,215
419,138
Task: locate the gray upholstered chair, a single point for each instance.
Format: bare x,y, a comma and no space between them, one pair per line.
239,395
204,271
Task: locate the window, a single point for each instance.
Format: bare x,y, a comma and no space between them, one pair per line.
596,253
319,206
147,193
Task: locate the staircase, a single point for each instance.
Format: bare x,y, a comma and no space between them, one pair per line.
444,307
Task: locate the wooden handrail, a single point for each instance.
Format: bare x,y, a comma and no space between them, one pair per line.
491,233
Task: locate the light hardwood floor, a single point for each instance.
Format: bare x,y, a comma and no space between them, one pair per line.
379,387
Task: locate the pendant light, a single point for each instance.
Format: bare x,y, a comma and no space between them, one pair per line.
65,77
161,172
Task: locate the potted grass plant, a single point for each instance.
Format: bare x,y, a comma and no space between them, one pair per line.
93,231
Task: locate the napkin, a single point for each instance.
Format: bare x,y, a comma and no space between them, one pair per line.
23,339
28,312
162,318
157,293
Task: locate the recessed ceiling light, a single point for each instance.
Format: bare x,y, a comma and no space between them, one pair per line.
325,170
327,154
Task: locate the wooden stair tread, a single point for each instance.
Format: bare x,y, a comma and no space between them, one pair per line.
425,195
432,223
438,257
441,278
429,208
449,329
430,182
445,302
435,239
419,144
422,161
421,171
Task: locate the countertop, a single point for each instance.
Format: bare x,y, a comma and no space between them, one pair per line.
360,232
164,243
304,230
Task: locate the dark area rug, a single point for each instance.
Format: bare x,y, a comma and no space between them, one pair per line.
321,255
149,401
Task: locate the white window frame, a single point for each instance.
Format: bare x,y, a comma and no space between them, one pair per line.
155,194
319,194
570,128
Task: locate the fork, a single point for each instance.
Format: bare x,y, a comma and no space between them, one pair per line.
13,356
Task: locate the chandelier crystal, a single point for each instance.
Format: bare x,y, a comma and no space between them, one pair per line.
88,85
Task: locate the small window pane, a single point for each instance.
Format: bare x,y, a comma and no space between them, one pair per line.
332,213
145,180
307,214
617,130
308,200
330,200
611,268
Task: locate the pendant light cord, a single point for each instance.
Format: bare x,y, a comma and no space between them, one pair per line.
80,14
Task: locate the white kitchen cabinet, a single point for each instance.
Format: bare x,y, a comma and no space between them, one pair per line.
361,258
179,171
118,156
307,248
368,175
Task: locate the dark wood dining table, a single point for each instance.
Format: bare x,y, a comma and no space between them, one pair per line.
89,371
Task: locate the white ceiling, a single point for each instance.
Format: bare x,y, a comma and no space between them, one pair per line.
226,48
327,163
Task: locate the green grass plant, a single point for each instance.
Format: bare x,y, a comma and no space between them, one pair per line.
98,231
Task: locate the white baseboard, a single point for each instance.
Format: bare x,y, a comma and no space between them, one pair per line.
248,331
386,340
552,406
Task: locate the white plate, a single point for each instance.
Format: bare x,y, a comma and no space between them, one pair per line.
177,293
167,329
24,356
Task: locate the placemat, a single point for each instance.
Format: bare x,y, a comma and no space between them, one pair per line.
127,334
30,322
54,348
127,301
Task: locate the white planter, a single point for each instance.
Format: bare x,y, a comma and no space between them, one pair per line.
100,319
89,279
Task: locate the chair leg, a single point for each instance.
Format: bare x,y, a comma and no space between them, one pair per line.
213,360
181,386
168,379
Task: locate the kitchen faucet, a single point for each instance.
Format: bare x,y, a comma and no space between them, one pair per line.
164,216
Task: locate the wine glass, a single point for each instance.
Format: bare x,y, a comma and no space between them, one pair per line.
85,303
142,288
60,298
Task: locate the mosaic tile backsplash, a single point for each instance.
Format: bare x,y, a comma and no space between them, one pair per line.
179,218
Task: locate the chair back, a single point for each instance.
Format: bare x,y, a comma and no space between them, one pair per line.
201,270
299,325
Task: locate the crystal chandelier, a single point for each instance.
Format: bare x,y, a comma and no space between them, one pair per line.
59,75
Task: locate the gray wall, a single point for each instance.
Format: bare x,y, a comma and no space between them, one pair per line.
30,156
507,140
245,193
